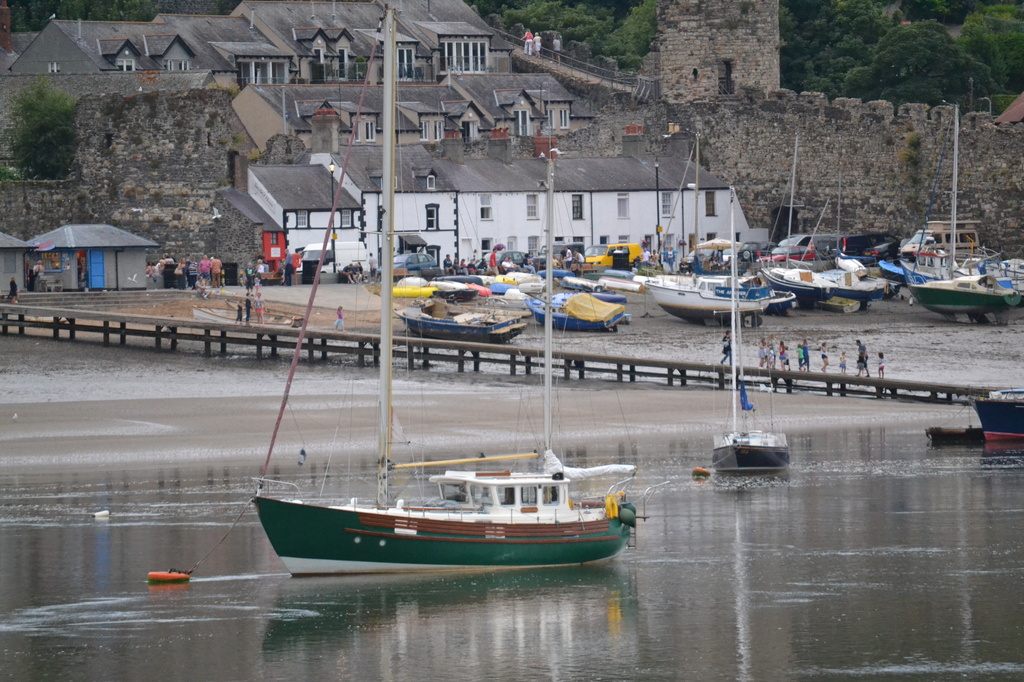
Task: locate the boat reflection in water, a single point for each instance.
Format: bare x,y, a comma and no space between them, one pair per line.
530,619
1004,454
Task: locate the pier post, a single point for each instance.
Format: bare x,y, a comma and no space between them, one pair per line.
207,345
106,333
157,338
123,329
223,342
273,345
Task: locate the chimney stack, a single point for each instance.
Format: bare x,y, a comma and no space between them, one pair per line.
633,140
499,147
452,146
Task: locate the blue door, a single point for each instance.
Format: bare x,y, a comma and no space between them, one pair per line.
97,276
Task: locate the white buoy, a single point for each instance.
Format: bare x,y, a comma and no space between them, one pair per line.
103,514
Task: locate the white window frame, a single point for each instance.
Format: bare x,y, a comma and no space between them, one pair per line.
369,131
125,64
425,131
431,181
438,130
572,207
666,204
531,207
302,219
533,244
622,201
433,219
563,116
485,207
464,56
53,67
346,217
522,122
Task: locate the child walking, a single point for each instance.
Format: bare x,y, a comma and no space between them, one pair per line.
842,362
881,365
339,323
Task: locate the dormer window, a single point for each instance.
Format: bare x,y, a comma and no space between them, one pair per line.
431,181
126,62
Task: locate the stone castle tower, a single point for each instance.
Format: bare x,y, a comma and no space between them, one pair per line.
711,48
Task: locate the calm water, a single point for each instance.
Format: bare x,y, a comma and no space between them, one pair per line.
878,558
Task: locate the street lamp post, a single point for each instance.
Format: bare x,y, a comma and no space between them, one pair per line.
987,99
657,208
334,233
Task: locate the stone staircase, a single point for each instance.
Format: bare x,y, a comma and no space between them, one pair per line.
101,300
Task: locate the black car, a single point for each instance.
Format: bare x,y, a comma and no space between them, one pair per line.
752,251
874,245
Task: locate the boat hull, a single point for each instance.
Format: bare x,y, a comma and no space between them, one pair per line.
737,458
433,328
1001,419
805,291
692,303
317,540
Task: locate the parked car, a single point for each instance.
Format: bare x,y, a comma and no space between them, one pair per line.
421,264
752,251
873,246
804,247
517,257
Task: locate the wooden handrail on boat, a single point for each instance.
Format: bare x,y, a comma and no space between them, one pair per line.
465,460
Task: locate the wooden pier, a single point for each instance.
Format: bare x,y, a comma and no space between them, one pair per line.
429,354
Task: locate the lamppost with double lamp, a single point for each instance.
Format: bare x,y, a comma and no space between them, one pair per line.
334,228
657,209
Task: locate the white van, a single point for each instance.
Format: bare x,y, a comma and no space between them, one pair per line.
346,252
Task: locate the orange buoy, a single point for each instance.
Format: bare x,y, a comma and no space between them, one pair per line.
171,576
700,472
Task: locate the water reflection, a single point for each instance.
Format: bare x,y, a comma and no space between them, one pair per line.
1005,454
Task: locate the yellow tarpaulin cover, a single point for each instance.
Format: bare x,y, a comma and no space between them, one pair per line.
586,307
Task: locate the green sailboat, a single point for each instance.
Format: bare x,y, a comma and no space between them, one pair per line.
492,520
976,296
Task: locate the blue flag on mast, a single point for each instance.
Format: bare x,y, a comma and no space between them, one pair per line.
744,403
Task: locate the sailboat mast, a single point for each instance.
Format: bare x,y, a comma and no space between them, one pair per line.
734,330
956,173
792,189
549,288
387,256
696,194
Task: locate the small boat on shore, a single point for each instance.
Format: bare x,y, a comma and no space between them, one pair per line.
437,320
580,312
703,298
809,287
976,296
229,315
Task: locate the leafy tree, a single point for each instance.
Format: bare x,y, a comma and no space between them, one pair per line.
8,174
632,40
43,140
995,36
33,15
584,24
918,63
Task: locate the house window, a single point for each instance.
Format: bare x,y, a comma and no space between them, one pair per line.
302,219
369,131
432,221
709,203
485,245
470,130
406,70
431,182
623,201
533,244
177,65
53,67
485,207
346,217
425,131
464,56
577,207
126,64
666,203
563,115
549,119
438,130
603,240
522,122
531,206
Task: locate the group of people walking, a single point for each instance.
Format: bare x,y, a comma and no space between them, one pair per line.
775,354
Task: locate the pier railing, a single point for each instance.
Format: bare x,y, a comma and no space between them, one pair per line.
416,353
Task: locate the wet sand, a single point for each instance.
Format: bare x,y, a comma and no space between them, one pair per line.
80,405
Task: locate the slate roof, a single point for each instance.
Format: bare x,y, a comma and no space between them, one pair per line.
583,174
248,207
94,237
302,187
19,42
495,92
9,242
1014,113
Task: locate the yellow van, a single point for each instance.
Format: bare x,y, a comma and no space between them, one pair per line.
610,255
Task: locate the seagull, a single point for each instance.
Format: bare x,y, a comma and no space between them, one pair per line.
134,278
52,17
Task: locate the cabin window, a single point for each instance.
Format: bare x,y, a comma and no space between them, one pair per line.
481,495
507,495
529,496
551,494
455,492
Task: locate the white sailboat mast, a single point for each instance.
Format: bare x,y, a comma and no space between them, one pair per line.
734,313
956,177
549,288
792,189
387,256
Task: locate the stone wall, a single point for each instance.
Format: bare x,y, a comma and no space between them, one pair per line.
885,160
150,164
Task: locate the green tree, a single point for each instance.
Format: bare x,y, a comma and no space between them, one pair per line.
43,139
919,63
8,174
632,40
